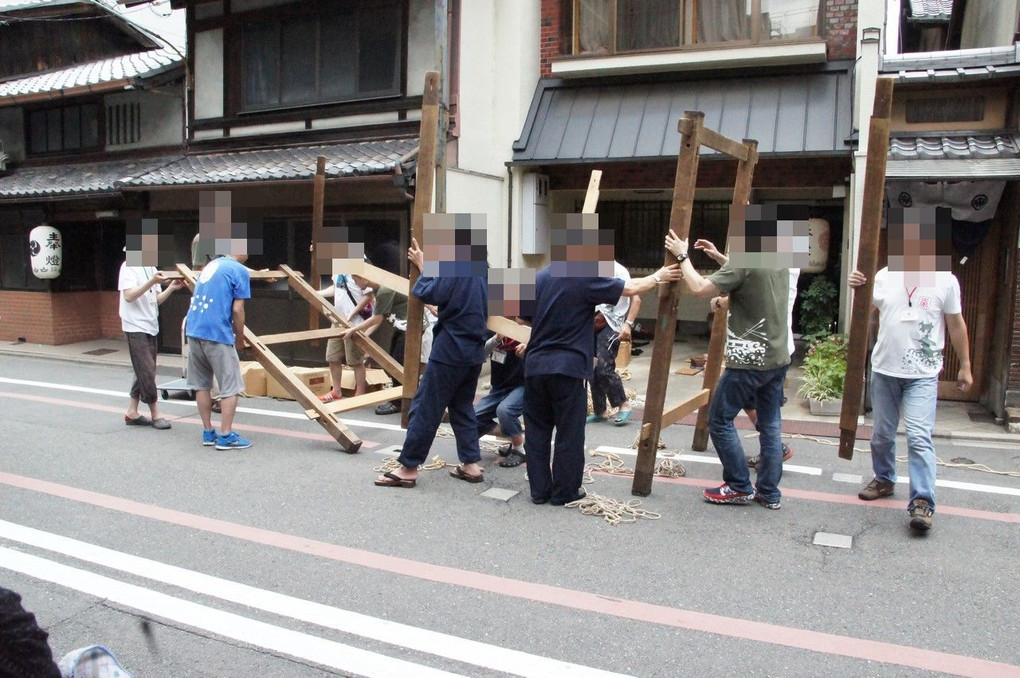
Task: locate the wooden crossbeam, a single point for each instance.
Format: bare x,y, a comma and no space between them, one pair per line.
318,207
715,141
867,262
591,196
312,296
508,328
304,335
269,276
349,441
363,400
681,410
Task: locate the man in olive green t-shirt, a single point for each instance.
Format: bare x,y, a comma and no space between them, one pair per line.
757,357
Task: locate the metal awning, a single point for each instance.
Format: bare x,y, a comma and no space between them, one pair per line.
574,121
944,157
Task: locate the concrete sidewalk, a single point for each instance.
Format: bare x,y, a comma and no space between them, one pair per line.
960,421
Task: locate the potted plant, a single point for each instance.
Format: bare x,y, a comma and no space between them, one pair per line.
824,372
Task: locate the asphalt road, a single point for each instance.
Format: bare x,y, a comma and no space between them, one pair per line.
285,560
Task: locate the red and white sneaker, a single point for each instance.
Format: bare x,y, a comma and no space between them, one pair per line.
724,494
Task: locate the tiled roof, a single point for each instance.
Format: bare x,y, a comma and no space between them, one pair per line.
15,5
931,10
953,147
138,65
69,179
342,160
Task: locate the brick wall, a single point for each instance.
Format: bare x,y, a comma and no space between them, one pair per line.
56,319
841,29
839,19
770,173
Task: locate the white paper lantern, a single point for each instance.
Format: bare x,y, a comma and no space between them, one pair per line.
47,251
818,246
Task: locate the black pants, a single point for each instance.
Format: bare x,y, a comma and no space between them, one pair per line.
397,353
143,349
606,383
443,387
560,402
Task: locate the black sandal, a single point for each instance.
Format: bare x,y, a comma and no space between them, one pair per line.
513,459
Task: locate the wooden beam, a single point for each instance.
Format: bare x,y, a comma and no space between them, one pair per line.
508,328
376,275
665,330
318,206
681,410
274,367
270,276
425,175
591,196
716,347
716,141
867,262
312,296
713,369
363,400
304,335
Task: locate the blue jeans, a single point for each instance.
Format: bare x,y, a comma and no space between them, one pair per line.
507,404
735,389
917,398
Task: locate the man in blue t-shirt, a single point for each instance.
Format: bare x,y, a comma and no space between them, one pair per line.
451,376
559,358
215,329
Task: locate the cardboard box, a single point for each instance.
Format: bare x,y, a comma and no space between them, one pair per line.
375,378
254,376
315,378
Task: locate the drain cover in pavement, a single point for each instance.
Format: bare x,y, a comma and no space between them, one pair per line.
839,541
100,351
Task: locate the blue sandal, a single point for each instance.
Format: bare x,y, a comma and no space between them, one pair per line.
622,418
592,418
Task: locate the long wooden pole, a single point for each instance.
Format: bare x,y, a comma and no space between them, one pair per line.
690,127
423,187
867,262
713,368
318,209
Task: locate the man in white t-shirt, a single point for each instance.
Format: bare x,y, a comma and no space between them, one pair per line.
353,298
141,293
617,321
915,306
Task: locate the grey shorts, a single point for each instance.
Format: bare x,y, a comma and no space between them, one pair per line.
209,358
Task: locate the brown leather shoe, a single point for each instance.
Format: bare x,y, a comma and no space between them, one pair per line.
876,489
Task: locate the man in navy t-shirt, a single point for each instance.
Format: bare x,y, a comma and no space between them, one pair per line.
215,329
559,358
451,376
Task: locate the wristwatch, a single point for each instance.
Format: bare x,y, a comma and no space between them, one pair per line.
656,277
682,257
627,322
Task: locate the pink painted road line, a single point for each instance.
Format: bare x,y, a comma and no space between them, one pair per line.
302,435
852,500
815,641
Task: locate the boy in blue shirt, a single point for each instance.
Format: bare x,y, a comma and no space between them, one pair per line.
215,329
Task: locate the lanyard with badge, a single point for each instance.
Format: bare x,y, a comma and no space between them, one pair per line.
909,314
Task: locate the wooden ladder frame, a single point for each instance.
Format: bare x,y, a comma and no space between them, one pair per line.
324,413
693,135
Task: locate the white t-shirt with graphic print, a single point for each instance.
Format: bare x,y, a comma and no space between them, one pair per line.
911,325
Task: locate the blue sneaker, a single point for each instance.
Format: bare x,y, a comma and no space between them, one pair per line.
209,437
231,441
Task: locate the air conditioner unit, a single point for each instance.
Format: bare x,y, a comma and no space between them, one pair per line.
535,217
